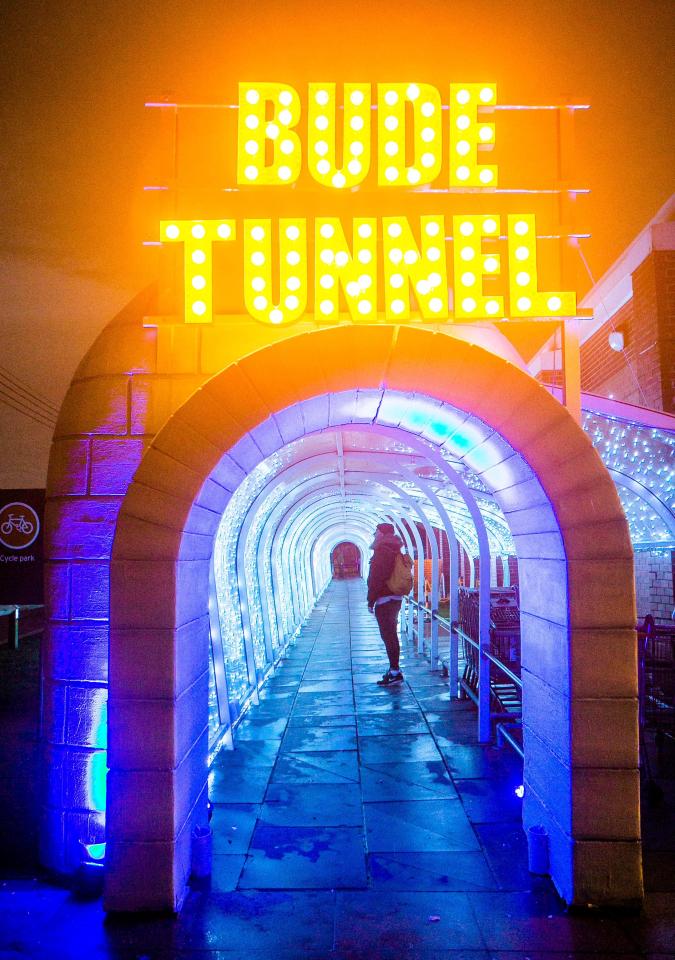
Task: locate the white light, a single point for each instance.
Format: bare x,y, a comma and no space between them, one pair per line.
293,258
365,256
252,96
413,92
427,159
414,176
435,304
272,131
391,148
434,279
251,147
467,253
354,167
258,284
466,228
321,97
326,281
326,307
397,306
423,287
327,231
172,231
251,173
292,233
410,256
285,117
356,148
391,173
489,225
260,303
286,147
485,133
486,95
257,258
522,278
427,134
468,278
522,253
323,167
427,109
394,230
365,231
258,233
199,256
252,122
276,316
365,306
365,281
432,229
199,307
339,180
433,253
491,307
391,123
555,303
396,280
199,282
356,123
326,256
321,122
490,264
463,173
293,283
396,255
321,147
356,97
391,98
341,259
524,303
468,304
463,96
521,227
486,176
292,303
353,288
463,122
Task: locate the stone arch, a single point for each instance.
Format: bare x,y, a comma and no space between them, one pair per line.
585,737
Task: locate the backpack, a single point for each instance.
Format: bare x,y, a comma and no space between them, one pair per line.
401,580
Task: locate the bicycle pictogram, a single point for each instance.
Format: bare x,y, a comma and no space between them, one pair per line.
19,525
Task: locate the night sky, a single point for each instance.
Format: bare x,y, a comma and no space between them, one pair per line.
76,137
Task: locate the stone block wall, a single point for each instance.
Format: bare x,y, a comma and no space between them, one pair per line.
654,584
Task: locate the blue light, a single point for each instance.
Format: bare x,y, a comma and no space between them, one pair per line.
95,851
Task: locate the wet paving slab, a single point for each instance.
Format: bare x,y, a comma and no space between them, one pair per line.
350,822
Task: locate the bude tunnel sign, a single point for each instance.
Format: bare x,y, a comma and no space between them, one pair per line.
433,267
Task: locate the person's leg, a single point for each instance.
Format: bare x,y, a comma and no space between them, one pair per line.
387,621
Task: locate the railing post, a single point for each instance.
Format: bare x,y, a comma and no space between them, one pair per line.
484,730
453,666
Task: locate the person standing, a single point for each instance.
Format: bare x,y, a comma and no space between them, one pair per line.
385,604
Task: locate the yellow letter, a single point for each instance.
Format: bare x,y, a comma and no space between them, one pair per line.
526,301
323,164
471,265
197,237
336,268
256,130
258,277
391,134
467,134
403,264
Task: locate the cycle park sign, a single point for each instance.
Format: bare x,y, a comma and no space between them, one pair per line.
21,580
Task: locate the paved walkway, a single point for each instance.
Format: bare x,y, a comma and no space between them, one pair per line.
350,822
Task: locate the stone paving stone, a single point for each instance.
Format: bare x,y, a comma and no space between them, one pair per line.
309,858
233,825
304,722
255,728
430,871
328,766
490,801
313,804
539,921
405,748
225,871
406,781
245,921
379,920
382,724
479,761
302,740
424,825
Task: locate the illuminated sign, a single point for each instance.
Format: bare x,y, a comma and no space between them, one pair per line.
369,268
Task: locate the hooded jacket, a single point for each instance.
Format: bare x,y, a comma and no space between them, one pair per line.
382,562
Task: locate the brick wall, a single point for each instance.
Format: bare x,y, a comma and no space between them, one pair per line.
644,372
654,584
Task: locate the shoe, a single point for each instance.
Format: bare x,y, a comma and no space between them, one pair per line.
389,679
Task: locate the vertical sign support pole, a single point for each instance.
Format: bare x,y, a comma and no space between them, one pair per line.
571,351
